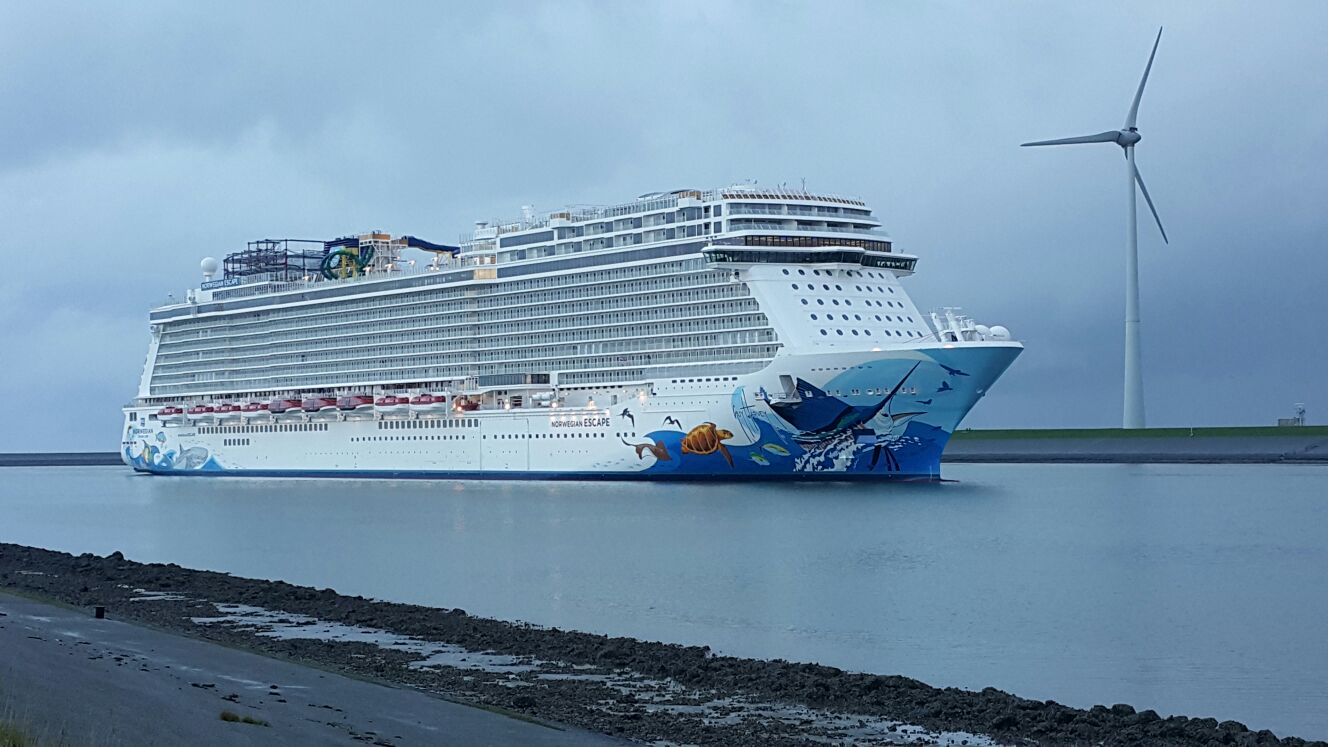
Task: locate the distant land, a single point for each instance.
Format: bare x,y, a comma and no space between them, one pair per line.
1303,444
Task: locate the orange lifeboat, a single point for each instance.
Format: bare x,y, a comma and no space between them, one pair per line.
428,404
200,413
320,405
171,415
389,404
361,404
254,410
284,407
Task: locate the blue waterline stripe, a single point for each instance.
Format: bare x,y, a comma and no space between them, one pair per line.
578,476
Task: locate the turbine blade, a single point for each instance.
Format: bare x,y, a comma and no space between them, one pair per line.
1140,181
1139,94
1102,137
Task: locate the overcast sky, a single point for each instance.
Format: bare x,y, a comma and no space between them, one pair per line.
136,138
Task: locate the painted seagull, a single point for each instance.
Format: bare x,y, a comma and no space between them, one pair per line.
626,413
923,401
952,371
944,387
670,420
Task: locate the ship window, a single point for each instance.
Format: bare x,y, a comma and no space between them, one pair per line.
839,332
813,317
802,272
824,332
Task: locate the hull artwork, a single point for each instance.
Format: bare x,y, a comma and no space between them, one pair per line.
877,415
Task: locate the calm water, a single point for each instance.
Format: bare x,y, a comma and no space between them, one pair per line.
1200,590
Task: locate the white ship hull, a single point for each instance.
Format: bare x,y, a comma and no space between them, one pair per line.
877,415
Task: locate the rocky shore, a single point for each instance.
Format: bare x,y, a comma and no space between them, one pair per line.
651,692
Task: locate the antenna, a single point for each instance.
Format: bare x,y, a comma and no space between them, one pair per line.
1127,137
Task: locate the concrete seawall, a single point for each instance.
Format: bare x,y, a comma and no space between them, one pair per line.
1301,445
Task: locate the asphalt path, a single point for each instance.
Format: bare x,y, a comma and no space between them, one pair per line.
71,679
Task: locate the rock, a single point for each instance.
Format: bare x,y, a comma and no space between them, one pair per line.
117,556
1122,709
1004,723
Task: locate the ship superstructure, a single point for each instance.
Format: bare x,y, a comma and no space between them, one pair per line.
728,332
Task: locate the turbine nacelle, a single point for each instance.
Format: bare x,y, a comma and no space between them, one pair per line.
1126,138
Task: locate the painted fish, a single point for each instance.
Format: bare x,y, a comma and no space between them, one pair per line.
775,449
760,460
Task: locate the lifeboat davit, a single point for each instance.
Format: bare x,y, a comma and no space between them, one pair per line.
171,415
284,407
228,412
356,404
320,405
392,405
201,413
254,410
428,403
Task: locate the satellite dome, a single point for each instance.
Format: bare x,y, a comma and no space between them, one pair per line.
983,331
1000,333
209,266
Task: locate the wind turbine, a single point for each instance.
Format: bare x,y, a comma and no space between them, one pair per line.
1126,138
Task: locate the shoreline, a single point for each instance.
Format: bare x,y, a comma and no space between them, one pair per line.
615,686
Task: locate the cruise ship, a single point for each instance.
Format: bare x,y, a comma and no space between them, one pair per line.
733,333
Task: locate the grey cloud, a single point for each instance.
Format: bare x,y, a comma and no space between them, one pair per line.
136,139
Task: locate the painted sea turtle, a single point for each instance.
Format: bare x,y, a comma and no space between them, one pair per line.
707,439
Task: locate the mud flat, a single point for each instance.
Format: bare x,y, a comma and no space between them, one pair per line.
618,686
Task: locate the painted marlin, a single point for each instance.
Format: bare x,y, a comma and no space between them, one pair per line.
817,415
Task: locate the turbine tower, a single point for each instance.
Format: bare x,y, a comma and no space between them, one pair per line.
1126,138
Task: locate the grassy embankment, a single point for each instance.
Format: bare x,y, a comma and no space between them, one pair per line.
10,736
1086,433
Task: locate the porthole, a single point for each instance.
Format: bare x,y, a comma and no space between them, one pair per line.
834,301
867,332
839,287
795,286
820,302
804,302
839,332
786,271
857,317
824,286
855,333
813,317
823,332
802,272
